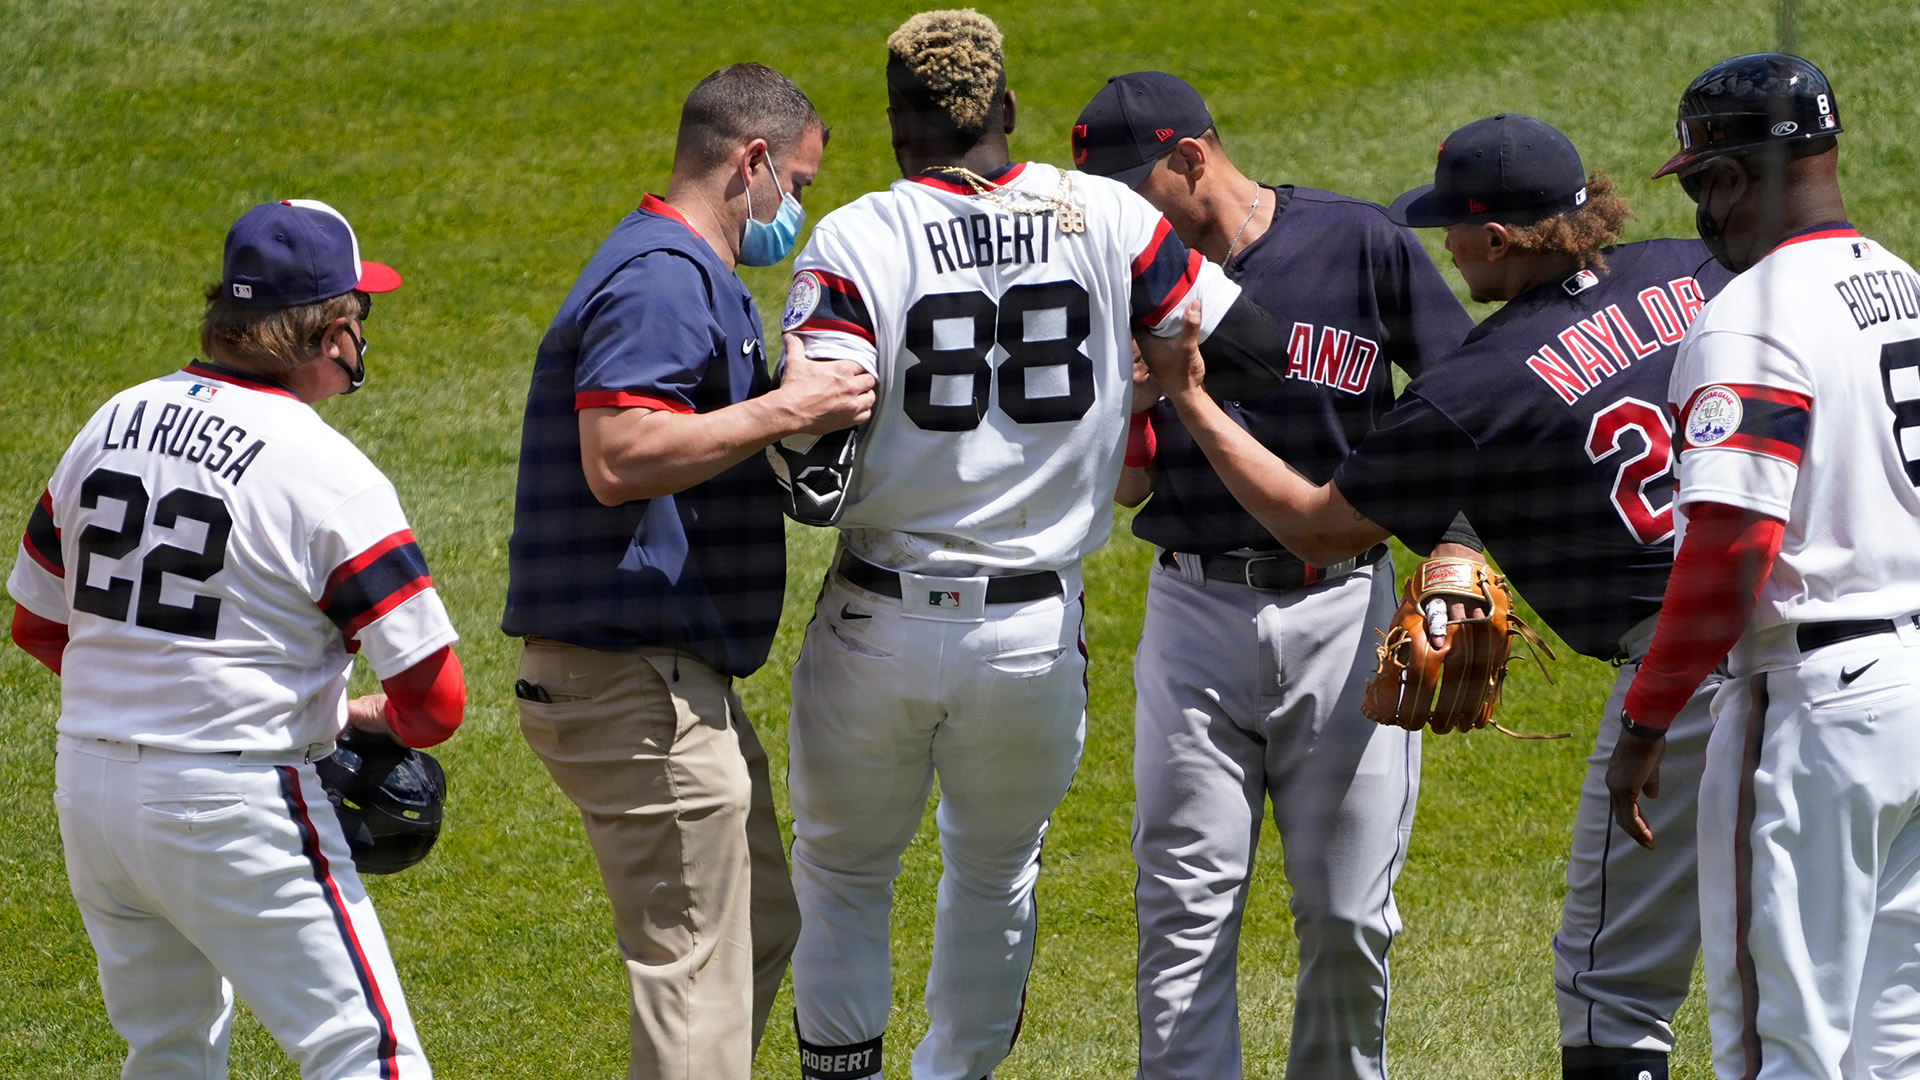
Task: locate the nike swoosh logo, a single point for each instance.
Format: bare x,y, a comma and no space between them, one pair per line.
1848,676
848,613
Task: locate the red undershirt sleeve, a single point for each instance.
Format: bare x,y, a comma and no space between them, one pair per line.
42,638
1717,575
426,702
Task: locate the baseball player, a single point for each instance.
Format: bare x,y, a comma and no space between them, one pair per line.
206,560
992,300
1545,429
1795,395
1216,736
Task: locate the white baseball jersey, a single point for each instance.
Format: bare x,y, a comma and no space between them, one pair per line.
1798,393
218,553
1001,348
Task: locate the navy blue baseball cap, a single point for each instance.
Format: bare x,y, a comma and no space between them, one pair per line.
298,251
1507,168
1133,122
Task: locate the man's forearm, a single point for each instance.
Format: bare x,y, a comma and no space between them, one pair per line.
1312,520
636,453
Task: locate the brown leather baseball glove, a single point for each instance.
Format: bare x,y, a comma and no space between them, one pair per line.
1455,686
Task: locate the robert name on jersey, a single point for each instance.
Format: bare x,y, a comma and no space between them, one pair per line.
964,242
190,430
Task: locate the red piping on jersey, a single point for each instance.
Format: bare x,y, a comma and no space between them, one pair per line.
838,326
42,638
1006,176
1715,583
387,1045
363,560
240,379
426,702
653,204
1179,291
1833,233
621,399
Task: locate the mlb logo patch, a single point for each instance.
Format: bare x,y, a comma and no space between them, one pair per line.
1862,250
202,392
1580,282
942,598
244,292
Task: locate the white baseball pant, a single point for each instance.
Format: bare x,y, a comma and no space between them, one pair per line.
199,875
887,694
1245,696
1810,866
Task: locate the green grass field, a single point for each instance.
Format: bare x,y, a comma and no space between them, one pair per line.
484,147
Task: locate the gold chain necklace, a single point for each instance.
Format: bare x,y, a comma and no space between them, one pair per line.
1069,217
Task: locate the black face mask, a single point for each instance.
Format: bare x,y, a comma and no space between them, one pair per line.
1712,233
357,374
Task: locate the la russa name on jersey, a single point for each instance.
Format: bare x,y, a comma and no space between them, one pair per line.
192,431
966,241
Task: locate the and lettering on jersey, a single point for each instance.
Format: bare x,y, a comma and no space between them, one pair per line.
1879,296
374,582
1331,357
966,242
200,436
824,301
1601,345
42,539
1737,416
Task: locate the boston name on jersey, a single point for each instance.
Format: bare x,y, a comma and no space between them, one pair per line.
963,242
1880,295
196,433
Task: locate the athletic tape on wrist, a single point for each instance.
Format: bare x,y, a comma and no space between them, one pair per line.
854,1061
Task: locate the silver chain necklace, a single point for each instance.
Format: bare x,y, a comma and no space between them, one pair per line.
1251,210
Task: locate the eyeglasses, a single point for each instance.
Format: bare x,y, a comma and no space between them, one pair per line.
366,304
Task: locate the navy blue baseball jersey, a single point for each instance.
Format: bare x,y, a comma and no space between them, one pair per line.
655,321
1352,292
1550,430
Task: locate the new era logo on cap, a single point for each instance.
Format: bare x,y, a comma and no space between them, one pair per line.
1163,134
1133,122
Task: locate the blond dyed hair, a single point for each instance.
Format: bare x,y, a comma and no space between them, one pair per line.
956,56
1578,233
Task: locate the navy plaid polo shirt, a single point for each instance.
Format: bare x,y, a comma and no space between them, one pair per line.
657,321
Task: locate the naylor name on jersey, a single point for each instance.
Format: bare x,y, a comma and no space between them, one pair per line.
1603,344
197,435
965,241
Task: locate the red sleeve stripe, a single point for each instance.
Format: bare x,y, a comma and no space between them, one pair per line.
1773,422
622,399
837,283
42,539
1146,257
374,582
832,325
1179,291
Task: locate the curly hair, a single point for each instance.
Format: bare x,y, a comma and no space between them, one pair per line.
1580,233
955,57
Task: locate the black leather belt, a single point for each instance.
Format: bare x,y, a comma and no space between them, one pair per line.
1273,573
1011,589
1813,635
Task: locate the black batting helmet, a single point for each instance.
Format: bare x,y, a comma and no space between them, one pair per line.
389,799
1763,99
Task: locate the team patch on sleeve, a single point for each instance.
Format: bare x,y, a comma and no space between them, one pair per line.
42,539
1163,274
374,582
826,302
1761,419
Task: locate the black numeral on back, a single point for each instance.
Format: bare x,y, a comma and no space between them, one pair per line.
1007,324
199,619
1895,357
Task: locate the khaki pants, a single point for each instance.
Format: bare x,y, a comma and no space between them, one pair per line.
672,786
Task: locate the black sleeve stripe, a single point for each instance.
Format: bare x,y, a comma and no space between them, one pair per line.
43,539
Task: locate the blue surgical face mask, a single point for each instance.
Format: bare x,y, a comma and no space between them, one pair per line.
764,243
